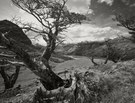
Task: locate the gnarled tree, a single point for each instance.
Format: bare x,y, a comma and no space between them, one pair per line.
113,53
54,18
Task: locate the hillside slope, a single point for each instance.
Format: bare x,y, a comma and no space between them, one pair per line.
110,83
97,49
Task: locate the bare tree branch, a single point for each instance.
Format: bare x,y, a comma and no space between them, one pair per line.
2,47
7,56
6,65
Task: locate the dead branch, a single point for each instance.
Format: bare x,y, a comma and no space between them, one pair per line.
2,47
8,62
7,56
63,72
16,63
6,65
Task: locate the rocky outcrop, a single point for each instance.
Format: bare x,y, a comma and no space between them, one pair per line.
14,32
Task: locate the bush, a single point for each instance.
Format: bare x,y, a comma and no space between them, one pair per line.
83,48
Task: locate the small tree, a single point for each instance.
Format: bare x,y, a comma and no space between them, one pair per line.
112,53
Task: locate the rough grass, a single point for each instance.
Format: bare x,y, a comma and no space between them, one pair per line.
110,83
119,81
124,48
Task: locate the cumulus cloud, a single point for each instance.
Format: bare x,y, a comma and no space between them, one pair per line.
79,6
81,10
103,10
109,2
88,32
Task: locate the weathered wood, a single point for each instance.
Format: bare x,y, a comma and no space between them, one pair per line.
76,93
40,95
7,56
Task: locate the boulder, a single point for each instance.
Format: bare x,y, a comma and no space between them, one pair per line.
14,32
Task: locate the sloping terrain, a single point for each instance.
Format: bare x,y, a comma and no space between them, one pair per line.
105,83
110,83
124,47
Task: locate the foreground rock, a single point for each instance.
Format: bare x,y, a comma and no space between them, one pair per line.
14,32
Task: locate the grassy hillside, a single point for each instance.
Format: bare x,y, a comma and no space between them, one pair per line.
97,49
110,83
105,83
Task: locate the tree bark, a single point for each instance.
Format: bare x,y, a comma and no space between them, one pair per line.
41,95
50,47
55,80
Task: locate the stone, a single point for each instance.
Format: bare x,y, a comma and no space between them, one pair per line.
14,31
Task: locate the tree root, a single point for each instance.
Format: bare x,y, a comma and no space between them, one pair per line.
43,95
76,93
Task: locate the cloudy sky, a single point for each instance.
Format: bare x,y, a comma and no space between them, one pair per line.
101,13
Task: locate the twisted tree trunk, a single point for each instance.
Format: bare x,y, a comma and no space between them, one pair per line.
48,78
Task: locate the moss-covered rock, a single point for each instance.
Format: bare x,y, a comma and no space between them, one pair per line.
14,31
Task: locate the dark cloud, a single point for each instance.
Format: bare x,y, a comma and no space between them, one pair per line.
89,32
103,12
118,6
100,27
